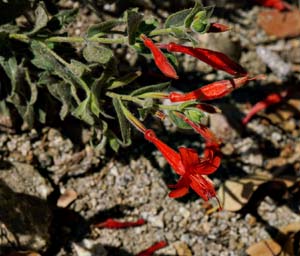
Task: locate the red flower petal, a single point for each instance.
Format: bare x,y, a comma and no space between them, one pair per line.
149,251
179,192
114,224
189,157
202,186
169,154
276,4
271,99
217,27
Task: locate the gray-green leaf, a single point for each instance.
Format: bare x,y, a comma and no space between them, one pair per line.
178,121
97,53
177,19
103,27
150,88
125,80
41,18
124,124
133,19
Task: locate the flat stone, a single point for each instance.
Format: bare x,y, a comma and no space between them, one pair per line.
24,178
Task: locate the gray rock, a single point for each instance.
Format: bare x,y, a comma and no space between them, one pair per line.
23,178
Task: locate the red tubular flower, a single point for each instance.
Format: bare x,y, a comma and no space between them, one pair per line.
189,166
271,99
215,59
149,251
276,4
217,27
114,224
160,59
212,155
212,91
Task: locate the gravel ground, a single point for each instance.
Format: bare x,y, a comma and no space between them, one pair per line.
56,191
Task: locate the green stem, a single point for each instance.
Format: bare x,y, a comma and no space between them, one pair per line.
75,39
125,97
20,37
154,95
162,31
132,119
169,107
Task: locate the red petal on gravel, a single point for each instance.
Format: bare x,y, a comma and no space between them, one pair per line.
149,251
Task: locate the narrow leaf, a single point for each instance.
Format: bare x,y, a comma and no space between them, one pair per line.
133,21
124,124
103,27
150,88
125,80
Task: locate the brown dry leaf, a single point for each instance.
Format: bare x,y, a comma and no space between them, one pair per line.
292,227
270,247
264,248
291,231
280,24
66,198
234,194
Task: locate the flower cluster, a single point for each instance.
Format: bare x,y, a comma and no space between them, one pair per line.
192,168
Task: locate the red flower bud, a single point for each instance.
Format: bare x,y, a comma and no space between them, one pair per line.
217,27
212,91
215,59
160,59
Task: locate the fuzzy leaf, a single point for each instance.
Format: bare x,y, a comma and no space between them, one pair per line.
189,19
194,114
62,92
33,88
113,141
148,25
133,19
124,124
64,18
178,121
125,80
78,68
177,19
97,53
83,112
41,18
103,27
201,21
48,60
150,88
23,92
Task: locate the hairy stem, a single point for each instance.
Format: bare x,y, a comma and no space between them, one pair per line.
75,39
